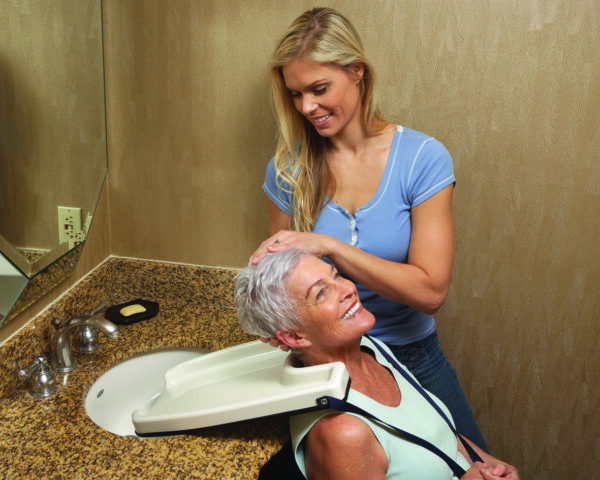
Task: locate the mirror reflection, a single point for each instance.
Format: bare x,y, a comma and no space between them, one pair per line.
52,140
12,282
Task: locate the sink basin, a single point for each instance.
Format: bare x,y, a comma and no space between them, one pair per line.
129,384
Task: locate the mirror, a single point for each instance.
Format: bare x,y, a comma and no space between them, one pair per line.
53,158
13,283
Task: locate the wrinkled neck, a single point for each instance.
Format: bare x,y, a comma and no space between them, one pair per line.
350,355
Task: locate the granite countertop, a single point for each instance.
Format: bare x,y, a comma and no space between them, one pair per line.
53,437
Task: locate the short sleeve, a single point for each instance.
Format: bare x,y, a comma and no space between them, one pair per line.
277,189
431,172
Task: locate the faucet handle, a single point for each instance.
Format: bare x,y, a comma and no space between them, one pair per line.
25,373
99,309
43,383
87,339
57,323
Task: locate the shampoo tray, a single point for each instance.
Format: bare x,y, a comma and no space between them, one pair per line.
242,382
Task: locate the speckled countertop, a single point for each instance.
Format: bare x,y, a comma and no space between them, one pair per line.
54,438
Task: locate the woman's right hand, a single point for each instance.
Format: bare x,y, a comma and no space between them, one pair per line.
315,243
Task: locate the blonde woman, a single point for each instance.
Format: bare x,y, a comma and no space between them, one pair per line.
373,198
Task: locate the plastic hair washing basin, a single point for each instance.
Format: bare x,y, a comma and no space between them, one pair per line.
129,384
246,381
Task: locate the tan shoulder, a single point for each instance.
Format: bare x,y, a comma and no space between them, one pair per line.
341,427
342,443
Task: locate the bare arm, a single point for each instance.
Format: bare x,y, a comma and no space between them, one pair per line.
341,447
422,283
278,219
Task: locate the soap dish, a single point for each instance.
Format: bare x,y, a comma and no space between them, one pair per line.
131,312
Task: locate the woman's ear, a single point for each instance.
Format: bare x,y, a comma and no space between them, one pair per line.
358,70
293,339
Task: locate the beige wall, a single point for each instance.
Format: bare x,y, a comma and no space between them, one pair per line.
189,129
512,89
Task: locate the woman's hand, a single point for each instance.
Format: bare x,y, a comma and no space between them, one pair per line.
490,469
315,243
484,471
475,472
497,469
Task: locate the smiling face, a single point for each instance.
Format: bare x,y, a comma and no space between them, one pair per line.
327,96
327,304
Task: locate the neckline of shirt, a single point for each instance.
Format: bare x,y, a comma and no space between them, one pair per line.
383,183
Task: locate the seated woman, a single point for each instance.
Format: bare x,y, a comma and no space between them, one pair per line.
302,300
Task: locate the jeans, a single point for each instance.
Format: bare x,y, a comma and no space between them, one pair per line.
426,361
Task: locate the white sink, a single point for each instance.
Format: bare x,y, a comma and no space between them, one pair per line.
129,384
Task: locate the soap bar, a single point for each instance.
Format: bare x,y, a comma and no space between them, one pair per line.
132,309
131,312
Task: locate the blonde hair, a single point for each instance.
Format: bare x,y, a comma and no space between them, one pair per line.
320,35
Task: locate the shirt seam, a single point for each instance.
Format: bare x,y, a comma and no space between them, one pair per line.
424,194
277,200
414,162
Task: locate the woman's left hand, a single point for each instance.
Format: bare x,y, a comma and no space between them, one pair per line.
490,469
499,470
315,243
484,471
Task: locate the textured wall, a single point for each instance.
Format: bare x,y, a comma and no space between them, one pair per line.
513,90
189,129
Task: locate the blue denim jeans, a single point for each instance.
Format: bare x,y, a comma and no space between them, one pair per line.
426,360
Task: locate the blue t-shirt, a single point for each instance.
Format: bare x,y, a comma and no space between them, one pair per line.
418,167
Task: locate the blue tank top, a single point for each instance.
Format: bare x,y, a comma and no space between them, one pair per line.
417,168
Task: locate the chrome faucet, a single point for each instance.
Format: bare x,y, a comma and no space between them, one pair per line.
88,323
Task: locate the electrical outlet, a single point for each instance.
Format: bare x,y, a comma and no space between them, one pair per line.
69,223
76,239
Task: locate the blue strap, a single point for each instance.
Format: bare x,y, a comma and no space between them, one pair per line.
344,406
390,358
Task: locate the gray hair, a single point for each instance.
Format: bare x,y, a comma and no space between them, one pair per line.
263,304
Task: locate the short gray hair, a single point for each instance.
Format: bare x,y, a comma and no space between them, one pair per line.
263,303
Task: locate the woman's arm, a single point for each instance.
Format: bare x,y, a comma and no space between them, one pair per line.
422,283
278,219
340,447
